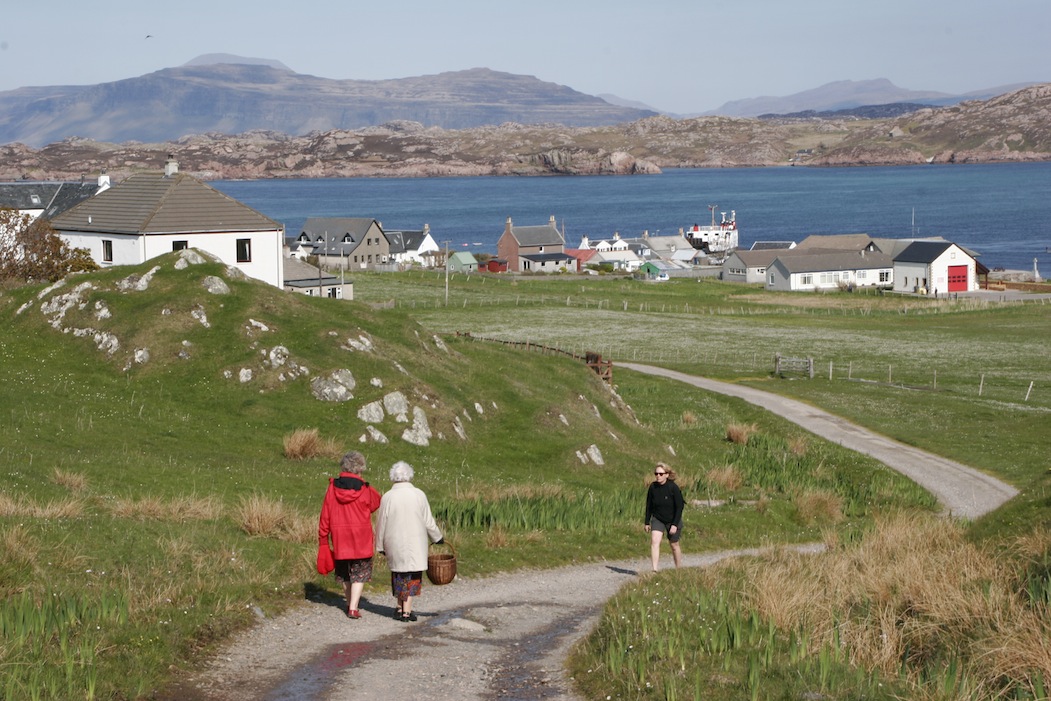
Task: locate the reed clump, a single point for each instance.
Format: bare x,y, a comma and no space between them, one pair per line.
740,433
307,443
727,477
260,515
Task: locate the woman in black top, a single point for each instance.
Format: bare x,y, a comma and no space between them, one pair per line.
664,506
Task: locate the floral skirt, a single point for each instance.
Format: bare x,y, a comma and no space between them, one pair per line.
405,584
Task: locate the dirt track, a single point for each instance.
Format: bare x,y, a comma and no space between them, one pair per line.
505,637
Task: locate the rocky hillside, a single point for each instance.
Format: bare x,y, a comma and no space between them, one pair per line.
236,97
1014,127
1011,127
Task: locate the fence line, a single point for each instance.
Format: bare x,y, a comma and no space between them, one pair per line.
986,386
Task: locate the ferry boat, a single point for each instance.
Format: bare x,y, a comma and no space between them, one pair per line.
717,238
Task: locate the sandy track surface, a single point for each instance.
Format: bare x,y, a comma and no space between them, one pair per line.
505,637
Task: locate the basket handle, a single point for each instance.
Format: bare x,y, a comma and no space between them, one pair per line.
451,548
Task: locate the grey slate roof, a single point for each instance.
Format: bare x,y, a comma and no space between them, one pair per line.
547,257
335,235
839,242
299,274
537,236
922,251
152,203
52,198
761,258
825,262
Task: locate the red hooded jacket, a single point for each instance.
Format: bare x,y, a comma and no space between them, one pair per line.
346,516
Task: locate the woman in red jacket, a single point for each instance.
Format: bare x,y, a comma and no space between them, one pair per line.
346,516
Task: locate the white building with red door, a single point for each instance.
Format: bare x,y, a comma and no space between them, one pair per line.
934,267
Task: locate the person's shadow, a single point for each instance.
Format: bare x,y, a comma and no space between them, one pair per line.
313,592
621,570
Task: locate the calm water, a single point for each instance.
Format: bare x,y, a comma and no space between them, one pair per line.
1001,211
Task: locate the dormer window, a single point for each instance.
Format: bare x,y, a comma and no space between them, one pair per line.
35,199
347,238
303,238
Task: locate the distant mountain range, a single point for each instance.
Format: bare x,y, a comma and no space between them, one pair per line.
230,95
227,94
844,96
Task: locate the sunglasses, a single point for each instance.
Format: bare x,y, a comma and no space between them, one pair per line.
660,474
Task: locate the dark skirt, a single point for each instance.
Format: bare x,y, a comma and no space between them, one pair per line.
354,570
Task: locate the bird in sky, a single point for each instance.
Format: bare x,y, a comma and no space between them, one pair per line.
149,36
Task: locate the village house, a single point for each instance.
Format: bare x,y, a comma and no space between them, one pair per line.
48,199
309,280
462,262
534,249
344,243
151,214
412,247
823,271
749,266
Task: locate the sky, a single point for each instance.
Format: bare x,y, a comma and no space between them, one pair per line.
678,56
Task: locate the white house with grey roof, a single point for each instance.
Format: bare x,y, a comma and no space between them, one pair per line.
412,247
151,214
800,271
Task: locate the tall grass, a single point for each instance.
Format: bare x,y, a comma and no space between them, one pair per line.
912,609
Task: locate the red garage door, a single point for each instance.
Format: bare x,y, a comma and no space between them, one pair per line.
958,278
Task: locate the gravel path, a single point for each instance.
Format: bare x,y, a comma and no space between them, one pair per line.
962,491
506,636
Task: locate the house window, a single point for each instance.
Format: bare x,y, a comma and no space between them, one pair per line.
180,245
828,278
107,251
761,271
332,293
771,278
884,276
863,275
244,250
807,279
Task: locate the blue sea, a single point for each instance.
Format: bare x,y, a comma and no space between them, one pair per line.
1002,211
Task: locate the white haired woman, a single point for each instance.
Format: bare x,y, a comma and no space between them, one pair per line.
404,525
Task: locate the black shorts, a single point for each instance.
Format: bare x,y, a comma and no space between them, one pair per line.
658,525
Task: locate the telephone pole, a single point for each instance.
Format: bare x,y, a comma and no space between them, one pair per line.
446,242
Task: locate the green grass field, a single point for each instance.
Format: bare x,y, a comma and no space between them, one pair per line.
148,507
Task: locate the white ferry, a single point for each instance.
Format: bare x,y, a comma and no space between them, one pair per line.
717,238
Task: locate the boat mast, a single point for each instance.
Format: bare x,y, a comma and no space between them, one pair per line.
712,208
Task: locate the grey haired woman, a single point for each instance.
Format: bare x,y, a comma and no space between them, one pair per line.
404,527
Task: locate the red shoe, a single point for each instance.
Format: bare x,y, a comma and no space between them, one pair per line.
353,613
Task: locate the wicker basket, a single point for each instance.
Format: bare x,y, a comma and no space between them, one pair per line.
441,567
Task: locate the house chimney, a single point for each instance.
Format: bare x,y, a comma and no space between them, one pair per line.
171,166
103,182
551,222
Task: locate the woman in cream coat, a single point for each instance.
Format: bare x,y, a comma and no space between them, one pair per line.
404,525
